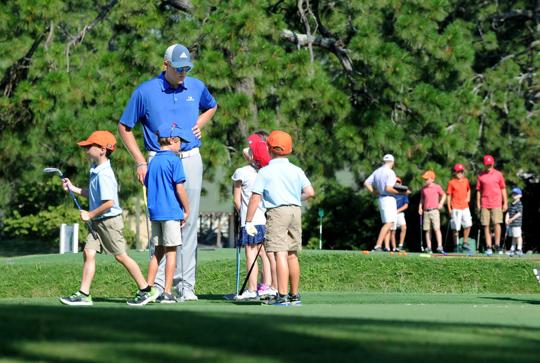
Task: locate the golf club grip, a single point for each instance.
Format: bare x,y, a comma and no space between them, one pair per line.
250,269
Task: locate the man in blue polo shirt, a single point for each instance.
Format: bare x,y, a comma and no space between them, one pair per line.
172,97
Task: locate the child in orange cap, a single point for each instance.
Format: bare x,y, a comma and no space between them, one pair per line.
282,186
459,196
432,199
106,215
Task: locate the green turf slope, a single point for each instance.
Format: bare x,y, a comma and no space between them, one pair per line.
54,275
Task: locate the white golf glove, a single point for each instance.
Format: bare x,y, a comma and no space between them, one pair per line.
250,229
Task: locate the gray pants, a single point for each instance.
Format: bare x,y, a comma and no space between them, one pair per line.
193,168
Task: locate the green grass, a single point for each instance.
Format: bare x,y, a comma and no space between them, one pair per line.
53,275
376,308
364,327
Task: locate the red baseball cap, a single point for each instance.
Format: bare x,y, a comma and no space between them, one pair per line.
459,167
259,149
280,142
102,138
488,160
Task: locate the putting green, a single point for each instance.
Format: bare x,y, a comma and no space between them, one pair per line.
366,327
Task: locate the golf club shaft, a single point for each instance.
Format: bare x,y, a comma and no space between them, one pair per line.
238,249
88,223
250,269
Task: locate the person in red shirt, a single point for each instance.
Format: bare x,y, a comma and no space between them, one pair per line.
432,199
459,196
492,201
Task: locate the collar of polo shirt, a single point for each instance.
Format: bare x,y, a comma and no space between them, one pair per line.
166,85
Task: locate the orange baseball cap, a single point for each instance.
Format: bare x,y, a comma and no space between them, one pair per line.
102,138
430,174
280,142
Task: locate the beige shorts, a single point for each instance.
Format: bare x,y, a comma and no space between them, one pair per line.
495,215
166,233
514,232
283,229
111,236
432,220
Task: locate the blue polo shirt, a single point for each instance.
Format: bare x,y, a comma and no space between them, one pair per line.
280,183
401,200
155,102
103,187
165,171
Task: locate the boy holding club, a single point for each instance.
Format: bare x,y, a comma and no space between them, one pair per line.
106,215
282,186
514,218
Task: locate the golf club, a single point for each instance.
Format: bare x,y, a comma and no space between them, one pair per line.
446,236
88,223
181,298
251,269
147,218
421,234
238,250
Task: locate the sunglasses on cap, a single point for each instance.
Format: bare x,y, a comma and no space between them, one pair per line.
180,69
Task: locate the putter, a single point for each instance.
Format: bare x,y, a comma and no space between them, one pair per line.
88,223
250,269
421,233
181,298
238,250
146,214
446,236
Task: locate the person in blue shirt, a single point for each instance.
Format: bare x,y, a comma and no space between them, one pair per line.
173,97
282,186
168,206
106,215
402,203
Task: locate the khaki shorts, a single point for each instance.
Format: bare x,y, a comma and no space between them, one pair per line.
283,229
111,236
495,215
166,233
432,220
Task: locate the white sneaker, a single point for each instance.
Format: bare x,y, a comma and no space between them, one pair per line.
489,252
189,295
247,295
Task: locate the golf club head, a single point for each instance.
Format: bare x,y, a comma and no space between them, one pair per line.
53,170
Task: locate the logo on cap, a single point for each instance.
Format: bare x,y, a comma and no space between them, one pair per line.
183,55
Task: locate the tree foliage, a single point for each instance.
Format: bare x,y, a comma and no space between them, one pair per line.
434,82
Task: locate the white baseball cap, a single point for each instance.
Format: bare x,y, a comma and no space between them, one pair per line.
388,157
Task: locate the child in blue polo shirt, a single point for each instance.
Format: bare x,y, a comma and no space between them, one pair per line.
168,207
282,186
106,215
402,202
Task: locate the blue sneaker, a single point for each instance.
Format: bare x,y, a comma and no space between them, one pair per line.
281,300
295,300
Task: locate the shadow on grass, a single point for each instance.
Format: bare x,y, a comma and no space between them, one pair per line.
67,334
15,248
508,298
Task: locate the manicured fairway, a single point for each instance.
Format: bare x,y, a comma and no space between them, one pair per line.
376,308
362,327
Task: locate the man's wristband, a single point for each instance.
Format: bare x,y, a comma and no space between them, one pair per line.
141,164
